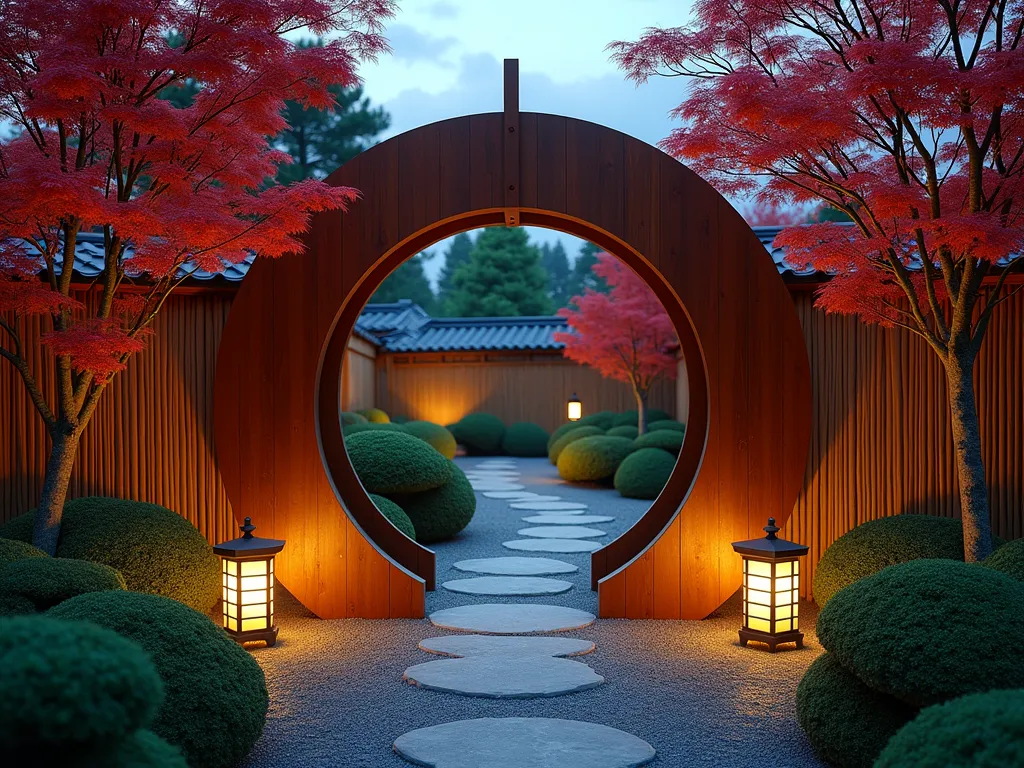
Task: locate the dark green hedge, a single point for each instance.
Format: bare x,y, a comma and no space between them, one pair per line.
395,514
928,630
983,730
625,431
367,426
666,439
847,723
654,426
216,696
396,462
434,435
524,438
1009,558
877,544
374,415
643,473
154,549
143,749
480,433
46,581
632,418
554,436
603,419
351,417
15,605
569,437
11,550
440,513
593,459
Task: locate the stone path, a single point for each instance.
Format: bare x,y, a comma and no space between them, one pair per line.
552,545
515,566
508,585
546,506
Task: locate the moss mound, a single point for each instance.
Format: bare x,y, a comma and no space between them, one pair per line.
665,439
524,438
401,420
15,605
928,630
11,550
480,433
374,415
67,686
440,513
1009,559
47,581
154,549
593,459
434,435
216,696
877,544
984,730
395,462
643,473
654,426
570,437
366,426
351,417
565,428
602,419
632,418
627,431
143,749
847,723
395,514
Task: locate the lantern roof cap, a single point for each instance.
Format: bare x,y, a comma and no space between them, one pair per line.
248,545
771,546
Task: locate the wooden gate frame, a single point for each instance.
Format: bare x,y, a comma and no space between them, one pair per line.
279,443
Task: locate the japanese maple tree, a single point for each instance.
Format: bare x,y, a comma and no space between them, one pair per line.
904,116
171,190
625,334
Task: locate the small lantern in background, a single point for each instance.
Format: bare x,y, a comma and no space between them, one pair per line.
247,583
574,408
771,589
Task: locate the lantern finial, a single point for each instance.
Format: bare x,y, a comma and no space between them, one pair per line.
248,528
771,529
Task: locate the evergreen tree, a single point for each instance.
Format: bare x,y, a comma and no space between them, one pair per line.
409,281
582,275
556,263
456,255
503,276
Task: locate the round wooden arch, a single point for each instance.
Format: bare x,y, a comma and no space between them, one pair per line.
279,445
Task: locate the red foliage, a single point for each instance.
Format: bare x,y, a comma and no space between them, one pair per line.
625,334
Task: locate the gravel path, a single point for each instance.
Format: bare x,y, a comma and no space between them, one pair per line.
686,687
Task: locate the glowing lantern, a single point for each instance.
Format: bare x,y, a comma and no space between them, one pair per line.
574,408
247,581
771,589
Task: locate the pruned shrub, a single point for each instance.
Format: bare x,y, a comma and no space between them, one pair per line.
374,415
395,514
440,513
216,696
1009,558
68,687
480,433
983,730
396,462
351,417
46,581
401,420
559,431
154,549
654,426
632,418
628,430
16,605
142,749
434,435
603,419
367,426
643,473
525,439
847,723
593,459
666,439
570,437
11,550
928,630
877,544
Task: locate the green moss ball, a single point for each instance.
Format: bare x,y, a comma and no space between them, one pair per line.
366,426
632,418
351,417
395,514
1009,559
570,437
216,695
626,431
928,630
559,431
983,730
71,685
433,435
154,549
643,473
666,439
46,581
480,433
526,439
602,419
440,513
654,426
374,415
877,544
847,723
11,550
396,462
593,459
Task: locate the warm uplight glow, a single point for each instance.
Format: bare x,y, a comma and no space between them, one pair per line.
574,409
247,586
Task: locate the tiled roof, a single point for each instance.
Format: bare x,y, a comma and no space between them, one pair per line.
400,316
454,334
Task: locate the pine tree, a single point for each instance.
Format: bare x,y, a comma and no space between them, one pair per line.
583,275
556,263
456,255
409,281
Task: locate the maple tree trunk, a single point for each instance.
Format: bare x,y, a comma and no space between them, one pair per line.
46,528
641,412
974,508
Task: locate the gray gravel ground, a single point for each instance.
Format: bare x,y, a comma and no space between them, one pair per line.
687,687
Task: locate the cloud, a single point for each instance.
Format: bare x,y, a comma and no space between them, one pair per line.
410,45
443,10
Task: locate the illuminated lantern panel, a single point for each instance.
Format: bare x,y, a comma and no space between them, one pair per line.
574,408
247,586
771,589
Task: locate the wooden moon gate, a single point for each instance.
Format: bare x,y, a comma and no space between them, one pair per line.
279,443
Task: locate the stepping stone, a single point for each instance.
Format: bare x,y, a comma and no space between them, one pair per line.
503,677
508,586
523,742
515,566
505,645
514,495
488,485
562,532
548,506
576,518
564,546
511,618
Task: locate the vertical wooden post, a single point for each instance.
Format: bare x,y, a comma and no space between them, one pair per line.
511,143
